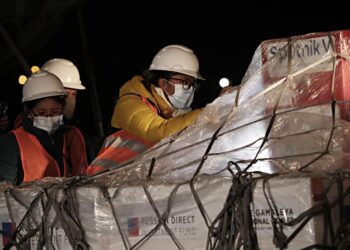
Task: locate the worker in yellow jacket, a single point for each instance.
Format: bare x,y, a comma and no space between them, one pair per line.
169,85
152,106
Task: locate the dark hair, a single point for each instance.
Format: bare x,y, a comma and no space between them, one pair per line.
33,103
152,76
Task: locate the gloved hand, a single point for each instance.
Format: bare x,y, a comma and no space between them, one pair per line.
227,90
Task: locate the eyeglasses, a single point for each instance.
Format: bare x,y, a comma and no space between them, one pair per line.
186,84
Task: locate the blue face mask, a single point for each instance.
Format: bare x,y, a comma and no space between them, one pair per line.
48,123
182,98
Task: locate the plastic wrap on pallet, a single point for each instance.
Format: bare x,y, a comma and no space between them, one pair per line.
130,216
293,113
7,226
136,215
134,211
123,222
291,197
22,210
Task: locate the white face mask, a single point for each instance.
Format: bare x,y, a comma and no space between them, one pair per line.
48,123
182,98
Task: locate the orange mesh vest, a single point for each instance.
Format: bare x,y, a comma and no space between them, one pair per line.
119,147
38,163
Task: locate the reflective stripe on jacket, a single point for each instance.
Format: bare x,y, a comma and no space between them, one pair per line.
38,163
120,147
117,148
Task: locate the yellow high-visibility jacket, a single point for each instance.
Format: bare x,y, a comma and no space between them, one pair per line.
135,116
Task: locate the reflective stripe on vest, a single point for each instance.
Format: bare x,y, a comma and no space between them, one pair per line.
38,163
116,149
119,147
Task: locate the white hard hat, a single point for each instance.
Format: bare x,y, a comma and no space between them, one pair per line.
177,58
42,84
66,71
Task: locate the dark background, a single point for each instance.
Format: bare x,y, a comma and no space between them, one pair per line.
112,41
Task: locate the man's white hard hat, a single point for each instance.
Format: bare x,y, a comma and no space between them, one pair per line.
66,71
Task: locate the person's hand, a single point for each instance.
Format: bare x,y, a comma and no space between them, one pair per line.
4,122
227,90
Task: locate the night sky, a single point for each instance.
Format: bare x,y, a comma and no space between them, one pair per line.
122,42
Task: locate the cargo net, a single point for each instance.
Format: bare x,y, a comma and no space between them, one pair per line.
265,167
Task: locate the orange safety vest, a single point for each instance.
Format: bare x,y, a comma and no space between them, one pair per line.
38,163
119,147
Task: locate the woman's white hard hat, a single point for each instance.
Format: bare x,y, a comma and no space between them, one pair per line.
42,84
177,58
